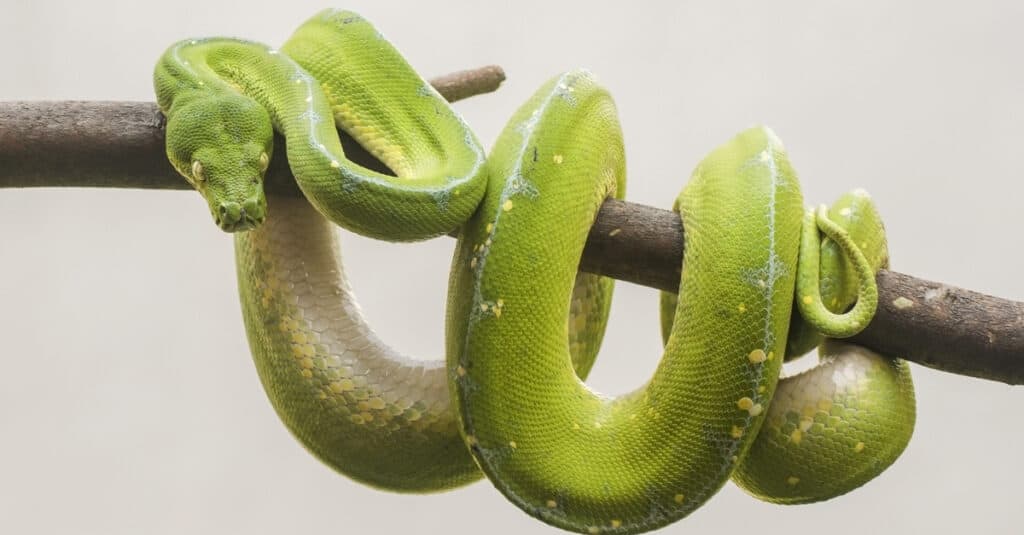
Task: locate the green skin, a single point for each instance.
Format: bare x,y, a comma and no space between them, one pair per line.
591,464
222,96
365,410
522,326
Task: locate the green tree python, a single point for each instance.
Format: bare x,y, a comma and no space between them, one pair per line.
523,326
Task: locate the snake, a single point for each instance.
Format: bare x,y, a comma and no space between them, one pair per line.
523,325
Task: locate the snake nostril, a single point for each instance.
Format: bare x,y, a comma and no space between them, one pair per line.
230,212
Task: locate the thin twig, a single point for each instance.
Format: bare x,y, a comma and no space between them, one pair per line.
121,144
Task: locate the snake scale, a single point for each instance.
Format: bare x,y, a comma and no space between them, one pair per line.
523,327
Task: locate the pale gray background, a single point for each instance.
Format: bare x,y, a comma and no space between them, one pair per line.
128,402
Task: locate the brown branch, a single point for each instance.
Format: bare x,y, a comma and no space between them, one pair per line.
121,144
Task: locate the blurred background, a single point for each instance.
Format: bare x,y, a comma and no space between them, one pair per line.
128,401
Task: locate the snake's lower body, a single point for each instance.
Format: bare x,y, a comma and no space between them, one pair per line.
363,408
523,327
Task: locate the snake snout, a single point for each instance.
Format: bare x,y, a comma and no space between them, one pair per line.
234,217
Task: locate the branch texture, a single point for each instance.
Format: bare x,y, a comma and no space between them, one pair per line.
121,144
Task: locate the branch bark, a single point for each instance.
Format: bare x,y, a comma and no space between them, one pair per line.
121,144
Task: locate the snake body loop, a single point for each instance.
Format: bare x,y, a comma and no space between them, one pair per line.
358,405
376,97
522,326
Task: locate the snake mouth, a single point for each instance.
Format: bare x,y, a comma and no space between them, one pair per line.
235,217
246,223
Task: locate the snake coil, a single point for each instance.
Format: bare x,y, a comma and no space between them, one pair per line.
523,326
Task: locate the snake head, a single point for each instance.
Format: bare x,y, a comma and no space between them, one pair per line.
222,146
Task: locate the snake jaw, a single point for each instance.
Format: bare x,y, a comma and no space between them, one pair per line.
231,216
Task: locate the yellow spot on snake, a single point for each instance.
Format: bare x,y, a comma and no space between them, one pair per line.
745,404
614,232
757,356
737,431
796,436
793,480
859,447
306,363
308,374
490,227
806,424
808,299
771,355
507,205
742,308
512,444
483,307
376,403
335,164
472,263
460,371
575,426
557,158
593,530
471,440
756,409
616,522
551,504
679,498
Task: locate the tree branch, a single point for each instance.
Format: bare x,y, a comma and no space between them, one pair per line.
121,144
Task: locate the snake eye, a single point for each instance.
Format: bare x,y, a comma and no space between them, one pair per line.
264,161
197,171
